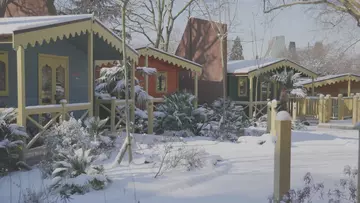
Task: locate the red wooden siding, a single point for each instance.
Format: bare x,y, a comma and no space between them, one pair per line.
161,66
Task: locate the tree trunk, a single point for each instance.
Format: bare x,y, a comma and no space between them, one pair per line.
3,6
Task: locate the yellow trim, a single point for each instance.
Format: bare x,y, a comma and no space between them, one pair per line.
166,81
245,80
113,41
175,60
333,81
102,63
280,65
90,56
4,57
71,29
51,33
54,62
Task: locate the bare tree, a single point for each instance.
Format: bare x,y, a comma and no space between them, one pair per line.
325,59
21,5
155,16
349,7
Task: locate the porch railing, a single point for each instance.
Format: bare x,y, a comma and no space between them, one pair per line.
59,111
114,109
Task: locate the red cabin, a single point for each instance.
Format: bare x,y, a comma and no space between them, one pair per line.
168,66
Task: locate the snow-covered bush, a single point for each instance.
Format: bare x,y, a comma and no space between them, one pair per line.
174,154
345,191
220,127
177,109
12,139
74,173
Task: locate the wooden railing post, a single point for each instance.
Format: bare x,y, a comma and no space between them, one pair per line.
321,108
282,160
150,109
355,110
328,108
273,116
294,111
112,114
340,107
304,110
63,103
268,115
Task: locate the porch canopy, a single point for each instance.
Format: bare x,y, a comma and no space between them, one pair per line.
84,32
330,80
255,68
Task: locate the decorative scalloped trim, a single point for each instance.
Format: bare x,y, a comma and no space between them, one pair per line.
333,81
170,59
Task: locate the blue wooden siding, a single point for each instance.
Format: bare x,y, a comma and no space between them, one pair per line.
78,74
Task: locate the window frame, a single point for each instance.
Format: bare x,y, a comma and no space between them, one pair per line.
166,81
245,79
4,57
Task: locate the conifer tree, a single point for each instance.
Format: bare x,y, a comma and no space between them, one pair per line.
237,50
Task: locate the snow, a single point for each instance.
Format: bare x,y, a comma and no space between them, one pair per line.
298,92
10,25
322,78
234,171
147,70
246,66
283,116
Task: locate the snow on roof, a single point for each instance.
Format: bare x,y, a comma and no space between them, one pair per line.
246,66
322,78
173,55
10,25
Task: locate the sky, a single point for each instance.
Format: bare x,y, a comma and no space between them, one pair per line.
255,28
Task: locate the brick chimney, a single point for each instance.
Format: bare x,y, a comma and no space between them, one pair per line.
292,52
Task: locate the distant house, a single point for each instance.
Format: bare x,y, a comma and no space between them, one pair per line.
17,8
200,43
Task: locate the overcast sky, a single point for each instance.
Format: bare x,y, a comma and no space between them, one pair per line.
294,23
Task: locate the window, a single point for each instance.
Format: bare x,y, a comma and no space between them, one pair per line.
242,86
4,87
161,82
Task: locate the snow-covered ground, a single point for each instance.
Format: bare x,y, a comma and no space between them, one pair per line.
245,173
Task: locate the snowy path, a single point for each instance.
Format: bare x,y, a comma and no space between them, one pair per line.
244,175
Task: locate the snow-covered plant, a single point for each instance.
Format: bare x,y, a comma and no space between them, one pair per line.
11,139
95,126
286,78
177,109
74,173
111,83
227,128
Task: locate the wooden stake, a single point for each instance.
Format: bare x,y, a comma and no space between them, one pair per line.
282,171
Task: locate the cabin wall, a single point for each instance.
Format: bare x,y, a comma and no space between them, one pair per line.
78,74
338,88
161,66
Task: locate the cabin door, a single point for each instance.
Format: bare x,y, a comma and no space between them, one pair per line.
53,79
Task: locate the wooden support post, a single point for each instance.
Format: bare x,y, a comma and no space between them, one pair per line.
97,108
21,113
196,89
273,117
275,91
132,96
251,100
268,117
268,91
63,103
328,108
358,106
150,109
349,85
321,108
146,75
340,107
354,110
282,169
90,52
312,87
112,114
294,111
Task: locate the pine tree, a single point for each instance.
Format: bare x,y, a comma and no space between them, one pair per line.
237,50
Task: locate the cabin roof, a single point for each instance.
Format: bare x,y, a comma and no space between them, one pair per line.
329,79
36,29
170,58
259,66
